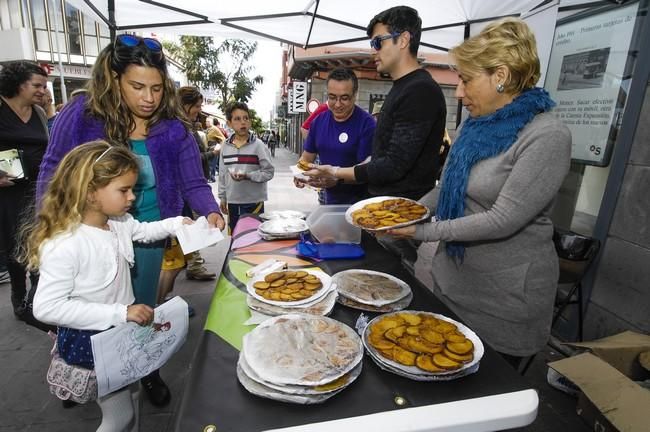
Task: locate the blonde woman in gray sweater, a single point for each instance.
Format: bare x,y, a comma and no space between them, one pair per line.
495,265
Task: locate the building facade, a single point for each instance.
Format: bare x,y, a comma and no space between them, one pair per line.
41,30
29,29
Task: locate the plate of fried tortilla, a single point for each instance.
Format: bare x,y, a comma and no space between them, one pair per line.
386,212
321,306
301,349
331,387
289,288
423,346
370,287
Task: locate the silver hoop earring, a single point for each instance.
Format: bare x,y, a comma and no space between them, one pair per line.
500,88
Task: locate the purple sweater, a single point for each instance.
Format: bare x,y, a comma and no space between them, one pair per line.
173,152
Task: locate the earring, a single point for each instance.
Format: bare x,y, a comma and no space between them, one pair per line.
500,88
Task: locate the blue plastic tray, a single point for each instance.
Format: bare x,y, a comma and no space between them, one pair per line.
332,251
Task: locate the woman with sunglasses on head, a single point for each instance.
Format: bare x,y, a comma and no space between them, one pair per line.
130,101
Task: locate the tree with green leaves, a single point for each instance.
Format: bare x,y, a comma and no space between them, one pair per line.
256,122
224,68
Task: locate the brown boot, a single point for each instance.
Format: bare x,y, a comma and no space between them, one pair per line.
195,269
200,274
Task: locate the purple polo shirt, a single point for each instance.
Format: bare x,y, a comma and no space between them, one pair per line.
342,144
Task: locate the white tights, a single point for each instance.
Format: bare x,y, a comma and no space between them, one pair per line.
121,410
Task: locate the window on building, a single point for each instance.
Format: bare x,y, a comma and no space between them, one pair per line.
15,16
74,29
90,36
39,24
105,35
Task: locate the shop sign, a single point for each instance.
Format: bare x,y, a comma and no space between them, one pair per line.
69,71
299,97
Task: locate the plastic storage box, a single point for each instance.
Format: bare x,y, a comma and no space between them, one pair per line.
327,224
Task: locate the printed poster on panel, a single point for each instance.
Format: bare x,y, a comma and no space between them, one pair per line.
587,78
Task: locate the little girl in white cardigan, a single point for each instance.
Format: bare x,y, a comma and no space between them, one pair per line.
81,244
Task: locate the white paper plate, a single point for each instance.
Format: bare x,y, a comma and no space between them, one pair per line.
411,371
270,237
280,227
345,289
359,205
345,381
416,377
298,173
322,306
391,307
324,278
283,214
261,390
301,349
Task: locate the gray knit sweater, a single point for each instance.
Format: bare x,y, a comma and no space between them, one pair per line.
505,287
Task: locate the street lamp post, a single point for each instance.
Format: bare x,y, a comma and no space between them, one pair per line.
64,93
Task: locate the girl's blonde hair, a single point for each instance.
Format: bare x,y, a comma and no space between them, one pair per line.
83,170
508,42
104,96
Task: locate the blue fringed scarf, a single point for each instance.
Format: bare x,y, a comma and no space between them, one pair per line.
483,138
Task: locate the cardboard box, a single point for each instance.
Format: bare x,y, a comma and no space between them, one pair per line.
610,400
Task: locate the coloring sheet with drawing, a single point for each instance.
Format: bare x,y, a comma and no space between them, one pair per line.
126,353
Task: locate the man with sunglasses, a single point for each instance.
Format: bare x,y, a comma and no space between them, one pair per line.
411,123
341,135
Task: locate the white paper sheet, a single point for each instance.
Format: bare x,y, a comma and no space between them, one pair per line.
126,353
198,235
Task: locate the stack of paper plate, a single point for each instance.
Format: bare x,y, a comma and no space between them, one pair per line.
372,291
281,292
423,346
280,229
299,358
322,306
283,214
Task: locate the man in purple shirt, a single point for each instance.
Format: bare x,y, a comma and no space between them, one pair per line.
340,136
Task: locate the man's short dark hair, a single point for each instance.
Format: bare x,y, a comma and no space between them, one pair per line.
236,106
13,75
344,74
400,19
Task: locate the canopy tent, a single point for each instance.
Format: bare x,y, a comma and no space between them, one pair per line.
302,23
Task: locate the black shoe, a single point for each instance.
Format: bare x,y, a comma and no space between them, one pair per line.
156,389
20,310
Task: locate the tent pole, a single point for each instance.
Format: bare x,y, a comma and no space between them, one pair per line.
111,19
459,109
311,26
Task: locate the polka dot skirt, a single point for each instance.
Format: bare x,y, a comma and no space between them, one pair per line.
75,346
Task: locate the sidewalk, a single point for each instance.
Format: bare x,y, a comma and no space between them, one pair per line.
26,404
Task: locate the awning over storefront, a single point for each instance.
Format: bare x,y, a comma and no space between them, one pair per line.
303,23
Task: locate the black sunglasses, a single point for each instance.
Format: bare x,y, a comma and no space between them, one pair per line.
375,43
133,41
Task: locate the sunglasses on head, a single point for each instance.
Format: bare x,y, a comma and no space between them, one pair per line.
375,43
133,41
